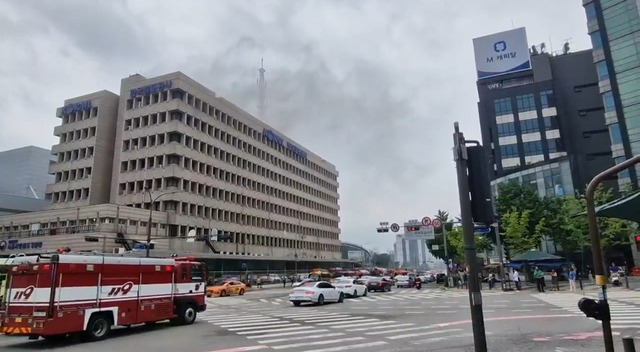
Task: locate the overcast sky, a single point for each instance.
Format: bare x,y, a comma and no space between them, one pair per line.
371,86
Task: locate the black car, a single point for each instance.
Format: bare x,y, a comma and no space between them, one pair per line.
378,284
440,278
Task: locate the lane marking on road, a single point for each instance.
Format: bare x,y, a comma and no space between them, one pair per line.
446,311
317,343
364,323
285,334
349,347
256,323
276,330
521,310
516,317
242,349
301,337
236,330
424,333
362,320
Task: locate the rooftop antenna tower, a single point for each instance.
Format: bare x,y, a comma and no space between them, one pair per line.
262,91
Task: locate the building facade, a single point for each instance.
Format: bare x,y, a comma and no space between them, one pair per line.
84,154
410,248
25,172
545,125
614,28
199,165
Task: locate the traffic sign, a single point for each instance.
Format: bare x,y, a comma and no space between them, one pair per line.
395,227
426,221
437,223
482,230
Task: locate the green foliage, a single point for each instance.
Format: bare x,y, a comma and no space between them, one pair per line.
526,218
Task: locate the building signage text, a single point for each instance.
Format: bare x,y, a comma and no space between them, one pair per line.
502,53
75,107
15,245
150,89
273,137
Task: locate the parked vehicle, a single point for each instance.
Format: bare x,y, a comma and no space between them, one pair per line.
315,292
101,291
378,284
351,287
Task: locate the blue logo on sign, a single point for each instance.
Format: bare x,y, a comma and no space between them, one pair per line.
499,46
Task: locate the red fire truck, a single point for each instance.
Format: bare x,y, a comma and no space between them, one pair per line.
53,296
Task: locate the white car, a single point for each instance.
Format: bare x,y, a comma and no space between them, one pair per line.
351,287
315,292
402,281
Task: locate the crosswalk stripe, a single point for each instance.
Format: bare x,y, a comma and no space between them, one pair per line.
349,347
306,337
365,322
276,330
340,323
252,324
262,327
424,333
284,334
381,327
316,343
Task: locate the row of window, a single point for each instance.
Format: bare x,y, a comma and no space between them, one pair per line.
76,154
79,115
219,134
217,153
531,148
211,192
73,175
527,126
73,195
212,172
209,109
525,102
77,135
237,218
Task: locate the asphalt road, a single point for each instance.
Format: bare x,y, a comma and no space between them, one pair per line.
402,320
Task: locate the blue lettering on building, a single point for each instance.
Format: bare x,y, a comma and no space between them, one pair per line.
272,137
15,245
81,106
150,89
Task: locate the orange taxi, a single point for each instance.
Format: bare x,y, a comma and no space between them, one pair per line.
226,288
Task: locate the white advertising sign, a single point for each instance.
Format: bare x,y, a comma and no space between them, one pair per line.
502,53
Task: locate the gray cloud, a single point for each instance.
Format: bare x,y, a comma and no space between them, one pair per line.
373,87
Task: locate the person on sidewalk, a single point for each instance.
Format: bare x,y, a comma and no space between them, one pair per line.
516,279
538,275
490,279
554,280
572,278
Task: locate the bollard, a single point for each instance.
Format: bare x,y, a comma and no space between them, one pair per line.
626,280
628,344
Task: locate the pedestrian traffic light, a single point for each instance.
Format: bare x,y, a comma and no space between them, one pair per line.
383,229
479,186
413,228
638,239
594,309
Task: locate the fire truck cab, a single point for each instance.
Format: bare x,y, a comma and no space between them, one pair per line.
56,295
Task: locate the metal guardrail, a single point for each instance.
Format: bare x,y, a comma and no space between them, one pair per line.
49,232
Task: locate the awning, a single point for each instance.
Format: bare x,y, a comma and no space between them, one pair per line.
622,208
535,256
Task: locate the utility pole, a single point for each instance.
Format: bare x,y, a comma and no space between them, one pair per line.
475,298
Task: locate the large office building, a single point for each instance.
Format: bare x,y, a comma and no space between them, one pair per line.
170,149
614,27
541,117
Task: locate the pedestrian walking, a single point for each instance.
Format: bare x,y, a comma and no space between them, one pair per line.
572,278
516,279
490,279
538,275
284,281
554,280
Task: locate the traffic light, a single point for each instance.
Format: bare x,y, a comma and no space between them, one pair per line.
413,228
479,186
594,309
383,229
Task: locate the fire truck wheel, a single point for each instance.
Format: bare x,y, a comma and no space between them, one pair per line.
187,314
98,328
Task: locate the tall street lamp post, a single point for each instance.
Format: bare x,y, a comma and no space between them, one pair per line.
152,200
